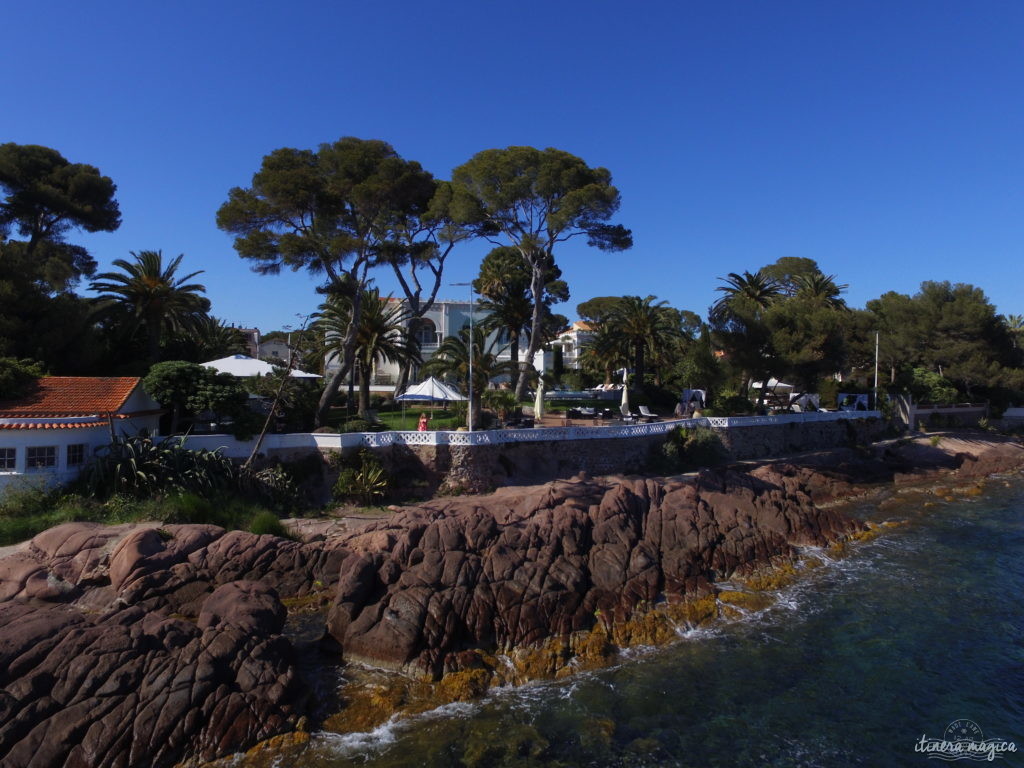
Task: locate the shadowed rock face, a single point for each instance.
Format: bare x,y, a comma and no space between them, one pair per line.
139,647
543,561
132,689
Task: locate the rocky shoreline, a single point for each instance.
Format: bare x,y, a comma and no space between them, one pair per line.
127,646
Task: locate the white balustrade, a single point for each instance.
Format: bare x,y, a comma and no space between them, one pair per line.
240,449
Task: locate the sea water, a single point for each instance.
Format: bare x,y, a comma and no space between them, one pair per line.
903,636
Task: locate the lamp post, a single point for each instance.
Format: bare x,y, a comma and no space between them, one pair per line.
470,346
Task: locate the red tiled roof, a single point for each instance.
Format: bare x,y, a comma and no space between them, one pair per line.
54,425
56,396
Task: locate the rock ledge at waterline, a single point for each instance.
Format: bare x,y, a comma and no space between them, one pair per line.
124,646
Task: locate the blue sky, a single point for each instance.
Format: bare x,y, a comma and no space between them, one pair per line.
882,139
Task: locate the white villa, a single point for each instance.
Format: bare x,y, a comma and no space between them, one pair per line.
571,341
445,318
48,435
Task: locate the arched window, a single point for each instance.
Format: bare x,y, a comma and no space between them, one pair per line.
424,332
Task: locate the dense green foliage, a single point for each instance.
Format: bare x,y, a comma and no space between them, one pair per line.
152,297
187,389
17,377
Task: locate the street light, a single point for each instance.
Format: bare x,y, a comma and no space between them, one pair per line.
470,348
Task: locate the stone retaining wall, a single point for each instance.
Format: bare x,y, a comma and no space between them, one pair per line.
428,468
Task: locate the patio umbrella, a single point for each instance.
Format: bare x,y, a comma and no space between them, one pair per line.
244,366
429,391
625,391
538,403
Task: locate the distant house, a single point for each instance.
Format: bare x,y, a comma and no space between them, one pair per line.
572,341
47,436
275,350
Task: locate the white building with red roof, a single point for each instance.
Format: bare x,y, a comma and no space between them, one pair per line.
47,436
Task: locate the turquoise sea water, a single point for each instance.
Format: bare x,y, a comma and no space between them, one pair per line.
851,667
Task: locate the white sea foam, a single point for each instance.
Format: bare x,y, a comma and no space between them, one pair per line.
386,734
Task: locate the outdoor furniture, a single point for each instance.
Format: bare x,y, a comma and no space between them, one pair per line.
626,415
646,413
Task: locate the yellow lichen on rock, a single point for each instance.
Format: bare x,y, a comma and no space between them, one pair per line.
464,685
748,601
775,578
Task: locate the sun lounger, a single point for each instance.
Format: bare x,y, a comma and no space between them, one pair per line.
646,413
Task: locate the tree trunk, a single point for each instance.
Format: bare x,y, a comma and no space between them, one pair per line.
365,372
537,289
404,372
153,338
475,410
405,368
640,367
330,392
513,352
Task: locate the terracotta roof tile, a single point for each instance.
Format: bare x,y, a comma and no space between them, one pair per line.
56,396
52,425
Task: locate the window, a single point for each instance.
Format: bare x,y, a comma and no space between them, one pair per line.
76,455
7,458
41,458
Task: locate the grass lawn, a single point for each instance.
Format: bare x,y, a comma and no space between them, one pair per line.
393,418
439,419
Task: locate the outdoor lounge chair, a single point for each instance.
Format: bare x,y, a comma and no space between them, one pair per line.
646,413
626,415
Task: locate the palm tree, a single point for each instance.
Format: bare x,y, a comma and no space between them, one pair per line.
820,288
738,318
749,291
1015,324
452,359
605,351
646,326
510,311
155,297
205,337
504,285
380,335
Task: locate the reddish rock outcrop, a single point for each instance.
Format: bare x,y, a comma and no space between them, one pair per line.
538,562
143,646
136,689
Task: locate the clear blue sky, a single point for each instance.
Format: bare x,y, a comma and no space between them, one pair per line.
882,139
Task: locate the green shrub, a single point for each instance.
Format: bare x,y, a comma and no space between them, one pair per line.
502,401
189,508
267,523
361,425
362,479
272,485
27,502
729,404
143,467
688,449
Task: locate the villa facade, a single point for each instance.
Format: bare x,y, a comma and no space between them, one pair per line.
444,318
